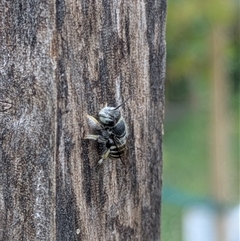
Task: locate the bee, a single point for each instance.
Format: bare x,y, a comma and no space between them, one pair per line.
112,132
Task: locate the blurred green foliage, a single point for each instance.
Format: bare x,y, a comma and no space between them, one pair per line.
188,35
187,122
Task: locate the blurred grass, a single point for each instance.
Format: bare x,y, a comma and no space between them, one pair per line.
186,141
185,161
171,214
185,152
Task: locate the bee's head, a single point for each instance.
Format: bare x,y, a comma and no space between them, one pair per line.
109,116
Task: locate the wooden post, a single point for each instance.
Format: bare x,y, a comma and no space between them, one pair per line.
220,128
61,60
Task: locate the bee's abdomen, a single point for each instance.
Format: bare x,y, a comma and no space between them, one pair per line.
117,151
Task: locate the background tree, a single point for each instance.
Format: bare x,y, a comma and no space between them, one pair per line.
59,61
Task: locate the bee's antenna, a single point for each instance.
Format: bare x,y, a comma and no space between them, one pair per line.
123,103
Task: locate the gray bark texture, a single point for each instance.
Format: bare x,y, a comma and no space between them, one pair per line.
59,61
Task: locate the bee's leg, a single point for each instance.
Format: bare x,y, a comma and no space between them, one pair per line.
98,138
104,156
92,137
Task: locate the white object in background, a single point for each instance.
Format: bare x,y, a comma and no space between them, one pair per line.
232,223
199,224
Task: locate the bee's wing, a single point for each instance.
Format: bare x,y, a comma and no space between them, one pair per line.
93,123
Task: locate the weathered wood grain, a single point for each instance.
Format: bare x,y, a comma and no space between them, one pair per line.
60,60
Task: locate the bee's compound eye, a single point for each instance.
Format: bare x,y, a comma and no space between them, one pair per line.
106,121
109,116
102,119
